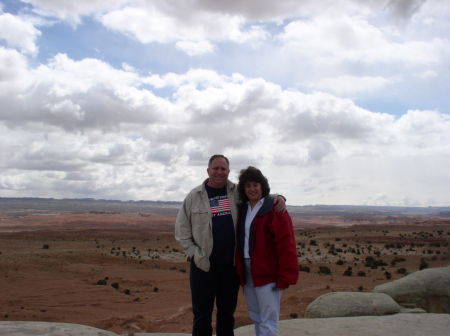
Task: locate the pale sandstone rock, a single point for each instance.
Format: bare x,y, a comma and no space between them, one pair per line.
18,328
392,325
341,304
428,289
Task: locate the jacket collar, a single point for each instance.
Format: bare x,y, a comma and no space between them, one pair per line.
267,205
265,208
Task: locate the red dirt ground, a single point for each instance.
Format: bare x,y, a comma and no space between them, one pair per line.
50,265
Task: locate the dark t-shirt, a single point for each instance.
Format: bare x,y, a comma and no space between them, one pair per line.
222,227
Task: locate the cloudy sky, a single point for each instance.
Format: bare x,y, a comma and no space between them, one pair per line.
337,102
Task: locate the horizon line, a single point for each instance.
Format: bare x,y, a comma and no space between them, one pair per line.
92,199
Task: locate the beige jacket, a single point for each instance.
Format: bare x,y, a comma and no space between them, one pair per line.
193,227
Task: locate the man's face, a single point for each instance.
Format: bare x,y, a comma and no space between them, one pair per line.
218,173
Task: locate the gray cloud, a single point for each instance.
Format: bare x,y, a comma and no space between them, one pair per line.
319,149
404,8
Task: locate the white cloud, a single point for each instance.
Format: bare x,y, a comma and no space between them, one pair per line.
352,85
422,131
169,23
353,39
353,56
99,133
194,48
18,33
197,77
78,94
76,126
429,74
14,76
325,115
73,11
336,32
252,9
282,9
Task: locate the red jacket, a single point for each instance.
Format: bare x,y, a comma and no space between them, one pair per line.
272,248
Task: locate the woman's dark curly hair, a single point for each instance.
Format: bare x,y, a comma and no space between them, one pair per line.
252,174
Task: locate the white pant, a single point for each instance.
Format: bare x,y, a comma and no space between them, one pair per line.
263,304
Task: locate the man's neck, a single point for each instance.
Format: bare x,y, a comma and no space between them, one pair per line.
215,186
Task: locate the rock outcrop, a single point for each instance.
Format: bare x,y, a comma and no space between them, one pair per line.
391,325
342,304
428,289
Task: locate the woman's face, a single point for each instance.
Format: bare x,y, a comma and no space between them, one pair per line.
253,191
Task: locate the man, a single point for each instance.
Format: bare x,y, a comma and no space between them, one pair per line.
205,227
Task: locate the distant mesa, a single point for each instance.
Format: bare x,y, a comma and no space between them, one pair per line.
87,204
94,206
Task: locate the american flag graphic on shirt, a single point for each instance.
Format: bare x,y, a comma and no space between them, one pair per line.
220,206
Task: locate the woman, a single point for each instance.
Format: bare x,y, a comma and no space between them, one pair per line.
266,258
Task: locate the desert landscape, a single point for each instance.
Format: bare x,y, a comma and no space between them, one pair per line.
117,266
